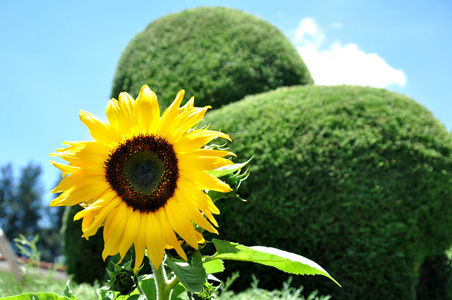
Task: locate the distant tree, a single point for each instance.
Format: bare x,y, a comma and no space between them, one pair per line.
6,194
22,212
21,204
50,233
29,197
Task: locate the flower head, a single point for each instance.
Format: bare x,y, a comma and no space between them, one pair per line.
143,177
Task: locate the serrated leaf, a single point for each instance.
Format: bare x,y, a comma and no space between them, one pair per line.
282,260
228,169
192,276
37,296
213,266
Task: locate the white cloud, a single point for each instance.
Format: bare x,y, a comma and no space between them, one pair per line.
343,64
308,30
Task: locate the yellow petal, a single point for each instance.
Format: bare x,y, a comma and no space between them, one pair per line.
100,131
113,230
205,152
196,139
200,199
147,111
109,208
66,183
188,162
127,121
98,204
190,104
168,232
130,231
89,188
180,222
185,121
155,240
169,115
88,219
113,112
65,168
204,181
140,242
89,156
192,212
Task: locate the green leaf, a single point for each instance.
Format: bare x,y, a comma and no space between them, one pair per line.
148,286
179,292
105,294
282,260
213,266
228,169
192,276
37,296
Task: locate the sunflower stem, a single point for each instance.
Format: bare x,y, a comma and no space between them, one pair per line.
173,282
164,287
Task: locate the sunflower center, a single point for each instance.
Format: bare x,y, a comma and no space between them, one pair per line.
143,171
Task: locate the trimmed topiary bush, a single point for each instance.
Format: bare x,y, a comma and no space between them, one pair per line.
217,54
83,258
357,179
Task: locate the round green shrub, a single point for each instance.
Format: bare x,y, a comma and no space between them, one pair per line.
357,179
216,54
83,259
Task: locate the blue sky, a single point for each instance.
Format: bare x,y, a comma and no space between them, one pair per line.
58,57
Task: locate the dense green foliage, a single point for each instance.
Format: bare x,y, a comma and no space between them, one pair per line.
357,179
83,258
216,54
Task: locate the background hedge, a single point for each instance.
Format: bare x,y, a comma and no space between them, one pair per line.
216,54
357,179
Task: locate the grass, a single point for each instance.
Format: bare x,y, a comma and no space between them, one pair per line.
254,292
34,283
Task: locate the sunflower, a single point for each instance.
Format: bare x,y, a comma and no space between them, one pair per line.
143,177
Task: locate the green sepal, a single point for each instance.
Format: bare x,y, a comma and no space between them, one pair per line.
234,180
192,275
111,274
122,279
226,170
279,259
